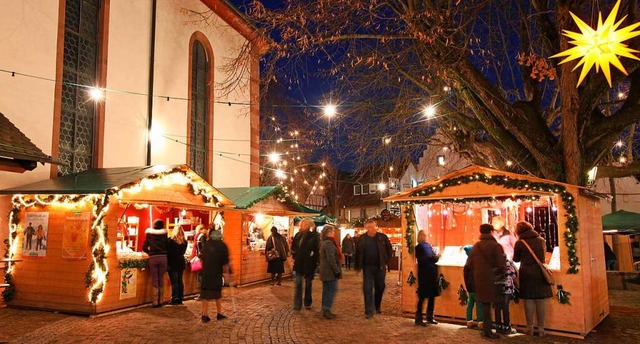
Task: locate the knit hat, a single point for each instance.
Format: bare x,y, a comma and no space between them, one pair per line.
215,235
467,249
158,224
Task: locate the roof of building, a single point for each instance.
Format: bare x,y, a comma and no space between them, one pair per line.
14,144
97,181
247,197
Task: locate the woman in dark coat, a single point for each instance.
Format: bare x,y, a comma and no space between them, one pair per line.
347,250
427,279
329,269
487,263
214,256
534,289
177,246
155,245
276,266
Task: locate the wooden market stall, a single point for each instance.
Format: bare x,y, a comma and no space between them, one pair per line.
248,226
621,231
451,209
80,236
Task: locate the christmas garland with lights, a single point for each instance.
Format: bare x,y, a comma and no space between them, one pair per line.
133,264
478,199
571,223
408,235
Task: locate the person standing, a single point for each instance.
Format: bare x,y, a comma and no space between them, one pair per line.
471,300
534,289
276,266
176,248
330,269
487,264
347,251
373,252
427,279
28,234
505,238
155,245
304,250
215,258
502,314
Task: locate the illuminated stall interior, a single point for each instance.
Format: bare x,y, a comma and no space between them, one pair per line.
92,261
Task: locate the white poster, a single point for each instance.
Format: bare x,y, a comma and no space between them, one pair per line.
35,234
128,283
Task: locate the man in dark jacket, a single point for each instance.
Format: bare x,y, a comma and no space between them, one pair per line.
487,263
155,245
373,252
304,250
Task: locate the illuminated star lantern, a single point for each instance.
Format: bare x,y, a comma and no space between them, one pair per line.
600,47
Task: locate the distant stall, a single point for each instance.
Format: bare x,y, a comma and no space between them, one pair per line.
450,210
80,236
248,226
621,231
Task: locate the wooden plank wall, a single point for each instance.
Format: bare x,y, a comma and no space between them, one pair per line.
51,282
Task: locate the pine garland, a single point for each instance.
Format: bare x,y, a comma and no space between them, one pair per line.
408,235
571,223
133,264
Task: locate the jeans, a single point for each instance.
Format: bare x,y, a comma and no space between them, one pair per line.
177,286
486,315
373,288
470,302
611,264
329,290
297,298
502,311
157,269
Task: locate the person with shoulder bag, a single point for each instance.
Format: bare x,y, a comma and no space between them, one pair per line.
276,252
535,289
330,269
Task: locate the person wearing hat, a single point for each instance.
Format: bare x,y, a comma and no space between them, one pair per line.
487,263
155,245
215,257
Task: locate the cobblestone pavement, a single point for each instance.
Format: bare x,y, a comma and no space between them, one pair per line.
264,315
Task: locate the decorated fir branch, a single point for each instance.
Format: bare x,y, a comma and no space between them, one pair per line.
563,296
443,284
408,214
133,264
570,235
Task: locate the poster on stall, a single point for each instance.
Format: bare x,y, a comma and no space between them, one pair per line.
35,234
75,235
128,283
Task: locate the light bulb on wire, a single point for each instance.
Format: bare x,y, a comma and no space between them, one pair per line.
330,110
274,157
96,93
429,111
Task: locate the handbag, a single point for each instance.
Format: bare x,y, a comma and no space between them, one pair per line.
273,254
546,273
196,264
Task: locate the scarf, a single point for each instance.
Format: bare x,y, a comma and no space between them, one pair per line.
335,242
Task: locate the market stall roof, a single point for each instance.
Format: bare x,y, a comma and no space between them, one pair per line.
470,170
246,197
621,219
17,150
100,180
319,218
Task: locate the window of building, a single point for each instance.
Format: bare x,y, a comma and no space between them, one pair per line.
373,188
365,189
200,117
357,189
78,117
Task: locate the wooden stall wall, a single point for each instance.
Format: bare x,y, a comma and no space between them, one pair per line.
233,238
51,282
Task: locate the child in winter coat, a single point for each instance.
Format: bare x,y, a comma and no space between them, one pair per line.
502,318
471,301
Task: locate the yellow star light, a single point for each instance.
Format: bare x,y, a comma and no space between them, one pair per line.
600,47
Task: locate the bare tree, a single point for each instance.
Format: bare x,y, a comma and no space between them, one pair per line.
483,64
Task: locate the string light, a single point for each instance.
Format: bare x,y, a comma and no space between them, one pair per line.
274,157
382,186
619,143
509,163
429,111
280,174
330,110
623,159
96,94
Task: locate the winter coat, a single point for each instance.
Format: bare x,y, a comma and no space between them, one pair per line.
487,264
384,249
330,269
156,242
175,255
347,246
427,271
532,283
214,256
304,250
281,245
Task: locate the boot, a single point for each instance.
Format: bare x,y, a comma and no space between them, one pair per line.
418,319
529,330
160,294
154,297
430,319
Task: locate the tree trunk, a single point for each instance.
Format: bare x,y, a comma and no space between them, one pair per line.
612,188
570,105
